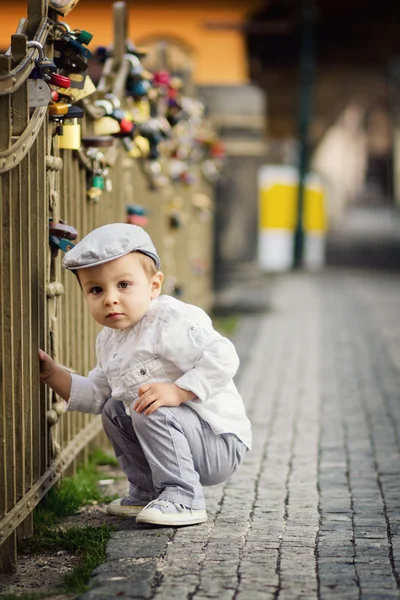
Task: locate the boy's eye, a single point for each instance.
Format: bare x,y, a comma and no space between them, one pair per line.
124,285
96,290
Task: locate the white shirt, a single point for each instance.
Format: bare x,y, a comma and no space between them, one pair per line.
174,342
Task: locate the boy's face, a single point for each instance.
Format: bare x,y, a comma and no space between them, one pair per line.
119,292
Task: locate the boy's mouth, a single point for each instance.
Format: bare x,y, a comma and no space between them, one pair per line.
114,314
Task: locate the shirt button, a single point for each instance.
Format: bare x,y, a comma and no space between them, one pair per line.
142,371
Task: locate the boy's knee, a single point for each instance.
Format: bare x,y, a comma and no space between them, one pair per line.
143,420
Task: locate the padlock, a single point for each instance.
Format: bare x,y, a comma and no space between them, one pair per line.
44,67
126,127
161,78
106,126
141,110
135,66
58,109
71,135
82,36
138,89
60,236
62,229
60,243
97,186
94,194
107,106
59,81
98,181
175,221
67,55
140,148
137,215
78,80
63,7
39,93
76,93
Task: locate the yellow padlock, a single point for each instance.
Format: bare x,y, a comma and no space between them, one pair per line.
71,136
140,148
141,111
106,126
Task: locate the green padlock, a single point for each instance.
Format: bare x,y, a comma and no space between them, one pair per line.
98,182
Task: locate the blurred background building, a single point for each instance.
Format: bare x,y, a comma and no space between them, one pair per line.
244,58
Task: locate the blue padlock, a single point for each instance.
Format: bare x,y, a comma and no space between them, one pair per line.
61,243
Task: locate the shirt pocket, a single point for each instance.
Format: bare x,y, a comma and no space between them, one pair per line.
142,371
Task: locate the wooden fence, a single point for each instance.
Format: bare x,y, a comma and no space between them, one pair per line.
41,305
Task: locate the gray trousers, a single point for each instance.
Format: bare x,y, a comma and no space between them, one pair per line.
171,453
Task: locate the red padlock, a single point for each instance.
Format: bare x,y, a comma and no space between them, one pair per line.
60,80
126,126
54,96
161,78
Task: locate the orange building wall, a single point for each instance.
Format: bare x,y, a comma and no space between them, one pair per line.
219,56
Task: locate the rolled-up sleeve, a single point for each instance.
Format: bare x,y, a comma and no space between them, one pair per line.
89,394
209,360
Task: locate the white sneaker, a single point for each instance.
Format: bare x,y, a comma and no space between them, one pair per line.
126,506
164,512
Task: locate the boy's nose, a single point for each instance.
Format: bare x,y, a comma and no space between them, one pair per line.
110,298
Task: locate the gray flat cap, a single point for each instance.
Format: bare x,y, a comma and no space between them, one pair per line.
107,243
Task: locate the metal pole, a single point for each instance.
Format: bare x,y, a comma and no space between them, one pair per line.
306,82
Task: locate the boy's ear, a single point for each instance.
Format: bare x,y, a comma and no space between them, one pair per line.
156,284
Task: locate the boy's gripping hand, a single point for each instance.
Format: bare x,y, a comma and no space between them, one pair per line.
47,366
154,395
55,376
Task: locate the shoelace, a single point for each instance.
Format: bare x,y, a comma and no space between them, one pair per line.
166,504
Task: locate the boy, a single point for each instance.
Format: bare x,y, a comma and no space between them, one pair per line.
163,381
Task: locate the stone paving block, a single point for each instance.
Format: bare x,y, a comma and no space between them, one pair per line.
134,545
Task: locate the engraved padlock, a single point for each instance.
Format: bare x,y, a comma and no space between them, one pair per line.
39,93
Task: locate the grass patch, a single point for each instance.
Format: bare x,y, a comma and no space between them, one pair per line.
67,497
88,543
226,325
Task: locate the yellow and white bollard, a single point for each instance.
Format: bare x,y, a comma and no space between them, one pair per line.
278,197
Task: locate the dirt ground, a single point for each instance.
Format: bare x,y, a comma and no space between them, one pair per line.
44,573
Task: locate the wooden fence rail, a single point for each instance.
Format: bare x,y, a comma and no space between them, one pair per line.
38,181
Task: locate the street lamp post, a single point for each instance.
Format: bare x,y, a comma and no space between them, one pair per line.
306,83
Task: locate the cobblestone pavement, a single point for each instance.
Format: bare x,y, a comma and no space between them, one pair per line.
314,511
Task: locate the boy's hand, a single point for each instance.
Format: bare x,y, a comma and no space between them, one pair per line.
47,366
154,395
55,376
